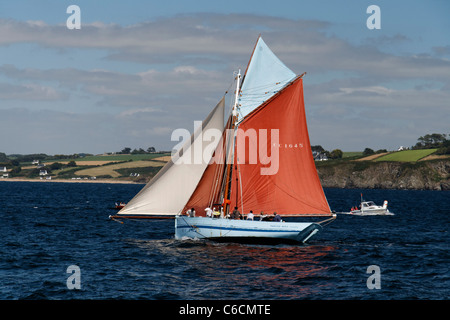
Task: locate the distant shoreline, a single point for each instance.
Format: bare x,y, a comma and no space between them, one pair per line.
70,181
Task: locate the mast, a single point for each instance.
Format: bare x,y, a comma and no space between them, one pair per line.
236,96
229,171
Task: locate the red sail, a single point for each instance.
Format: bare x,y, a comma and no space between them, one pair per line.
208,189
275,167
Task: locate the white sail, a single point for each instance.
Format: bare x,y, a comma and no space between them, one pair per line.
265,76
168,192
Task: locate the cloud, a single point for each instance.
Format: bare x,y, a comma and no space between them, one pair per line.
30,92
132,112
385,40
180,66
442,50
63,132
377,90
221,41
182,38
379,97
179,89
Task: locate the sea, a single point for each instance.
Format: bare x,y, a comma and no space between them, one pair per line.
58,243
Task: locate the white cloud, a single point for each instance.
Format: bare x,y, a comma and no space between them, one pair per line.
183,64
373,89
132,112
30,92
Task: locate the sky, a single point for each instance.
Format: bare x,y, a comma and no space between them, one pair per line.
137,70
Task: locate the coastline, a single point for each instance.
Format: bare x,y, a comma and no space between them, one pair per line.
112,181
325,184
422,175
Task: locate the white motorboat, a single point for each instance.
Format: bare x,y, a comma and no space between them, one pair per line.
368,208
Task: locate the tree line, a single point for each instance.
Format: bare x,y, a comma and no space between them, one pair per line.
335,154
429,141
127,150
432,141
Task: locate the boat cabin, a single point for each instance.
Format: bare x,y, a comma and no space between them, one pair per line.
368,204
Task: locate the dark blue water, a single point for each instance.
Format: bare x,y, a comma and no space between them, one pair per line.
47,227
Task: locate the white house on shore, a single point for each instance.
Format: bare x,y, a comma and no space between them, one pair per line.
4,172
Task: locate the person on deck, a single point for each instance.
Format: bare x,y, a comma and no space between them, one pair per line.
236,214
276,217
191,212
262,216
250,215
209,212
216,213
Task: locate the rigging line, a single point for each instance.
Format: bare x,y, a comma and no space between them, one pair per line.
226,157
271,84
213,191
193,227
257,91
268,85
219,185
285,83
327,221
216,184
232,100
215,176
229,87
240,183
258,88
116,220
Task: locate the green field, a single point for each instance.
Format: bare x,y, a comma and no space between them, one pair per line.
349,154
112,170
406,155
118,157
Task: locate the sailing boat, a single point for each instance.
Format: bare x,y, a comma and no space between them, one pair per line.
262,161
